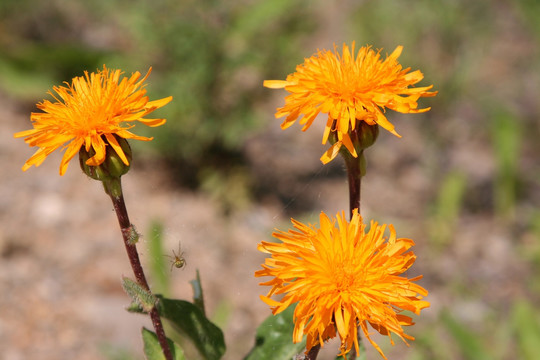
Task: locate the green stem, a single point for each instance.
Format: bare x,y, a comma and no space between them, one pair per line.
113,188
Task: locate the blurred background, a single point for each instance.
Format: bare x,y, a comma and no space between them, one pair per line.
463,182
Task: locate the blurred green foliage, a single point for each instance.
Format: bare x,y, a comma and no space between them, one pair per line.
211,56
506,141
525,323
513,335
158,264
468,343
530,10
111,352
436,36
446,210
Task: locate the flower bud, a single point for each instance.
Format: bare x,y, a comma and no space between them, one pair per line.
364,135
111,167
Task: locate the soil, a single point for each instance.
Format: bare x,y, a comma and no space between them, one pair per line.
62,258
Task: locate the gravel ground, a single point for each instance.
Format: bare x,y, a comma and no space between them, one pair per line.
62,257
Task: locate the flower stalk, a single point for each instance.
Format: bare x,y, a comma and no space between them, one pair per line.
113,188
93,116
109,172
343,277
362,137
354,178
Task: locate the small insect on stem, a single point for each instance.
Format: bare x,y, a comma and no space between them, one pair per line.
178,260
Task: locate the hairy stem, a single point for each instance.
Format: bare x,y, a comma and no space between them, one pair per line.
126,227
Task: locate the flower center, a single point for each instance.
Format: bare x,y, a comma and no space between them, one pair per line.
344,276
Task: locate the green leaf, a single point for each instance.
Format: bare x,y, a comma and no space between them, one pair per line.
273,340
139,295
153,350
188,319
136,308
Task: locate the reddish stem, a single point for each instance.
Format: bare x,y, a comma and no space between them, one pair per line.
125,226
313,352
354,176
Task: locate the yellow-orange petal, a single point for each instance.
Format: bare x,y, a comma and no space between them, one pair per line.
350,88
99,147
331,153
152,122
349,145
85,112
275,84
117,148
72,150
159,103
341,275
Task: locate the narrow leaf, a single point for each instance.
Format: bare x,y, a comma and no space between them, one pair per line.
198,298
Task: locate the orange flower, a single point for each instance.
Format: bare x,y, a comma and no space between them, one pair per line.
88,113
349,90
342,278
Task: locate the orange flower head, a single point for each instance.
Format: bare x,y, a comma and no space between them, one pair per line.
342,277
89,112
349,89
